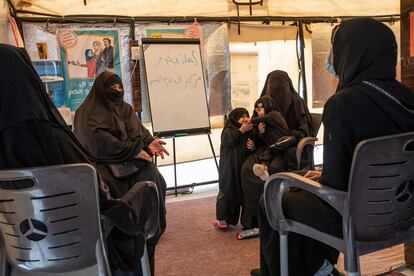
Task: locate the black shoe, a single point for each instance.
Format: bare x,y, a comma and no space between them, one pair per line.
255,272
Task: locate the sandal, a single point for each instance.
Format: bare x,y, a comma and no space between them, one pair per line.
219,225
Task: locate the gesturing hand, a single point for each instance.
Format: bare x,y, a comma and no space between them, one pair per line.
144,155
156,147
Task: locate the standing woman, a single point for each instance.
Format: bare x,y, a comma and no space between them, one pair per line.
121,147
235,146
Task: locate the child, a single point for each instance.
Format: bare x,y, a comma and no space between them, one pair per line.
235,146
274,132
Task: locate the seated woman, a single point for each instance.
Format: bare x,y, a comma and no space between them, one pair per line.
369,102
121,147
293,111
235,146
32,133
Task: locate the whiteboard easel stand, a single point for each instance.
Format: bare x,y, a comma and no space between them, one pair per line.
175,65
175,168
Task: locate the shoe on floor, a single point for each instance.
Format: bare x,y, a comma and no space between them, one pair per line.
220,225
261,171
248,234
255,272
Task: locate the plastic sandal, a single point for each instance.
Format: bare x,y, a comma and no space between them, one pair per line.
219,226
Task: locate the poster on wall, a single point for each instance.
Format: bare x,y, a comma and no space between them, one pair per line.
85,54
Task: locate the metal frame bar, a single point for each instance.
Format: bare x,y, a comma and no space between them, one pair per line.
97,18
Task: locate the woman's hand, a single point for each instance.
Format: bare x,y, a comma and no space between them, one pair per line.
313,175
156,147
262,128
250,144
246,126
144,155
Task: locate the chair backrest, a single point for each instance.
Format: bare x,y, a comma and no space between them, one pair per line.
381,187
53,226
316,120
152,224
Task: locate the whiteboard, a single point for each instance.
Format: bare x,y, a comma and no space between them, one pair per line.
176,87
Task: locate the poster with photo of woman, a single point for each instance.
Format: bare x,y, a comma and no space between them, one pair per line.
85,54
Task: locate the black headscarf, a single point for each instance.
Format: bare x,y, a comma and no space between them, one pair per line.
23,96
267,103
23,99
234,116
292,107
106,126
367,54
279,86
369,102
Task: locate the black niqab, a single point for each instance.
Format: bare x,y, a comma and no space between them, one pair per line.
279,86
293,108
106,126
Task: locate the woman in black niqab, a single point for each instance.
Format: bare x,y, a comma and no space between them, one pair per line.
33,133
290,117
111,133
369,103
279,87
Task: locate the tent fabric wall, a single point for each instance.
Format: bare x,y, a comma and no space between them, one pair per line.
212,7
4,22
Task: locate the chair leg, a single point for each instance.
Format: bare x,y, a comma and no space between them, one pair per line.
145,265
284,262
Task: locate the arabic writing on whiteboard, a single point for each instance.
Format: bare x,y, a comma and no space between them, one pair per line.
181,82
176,59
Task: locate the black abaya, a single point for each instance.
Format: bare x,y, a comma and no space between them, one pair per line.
233,151
364,50
111,133
289,117
32,133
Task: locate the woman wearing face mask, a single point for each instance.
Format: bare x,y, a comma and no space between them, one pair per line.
235,147
121,147
369,102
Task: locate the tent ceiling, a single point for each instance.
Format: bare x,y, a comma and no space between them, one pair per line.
211,7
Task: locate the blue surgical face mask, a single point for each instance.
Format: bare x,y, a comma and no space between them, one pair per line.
329,65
